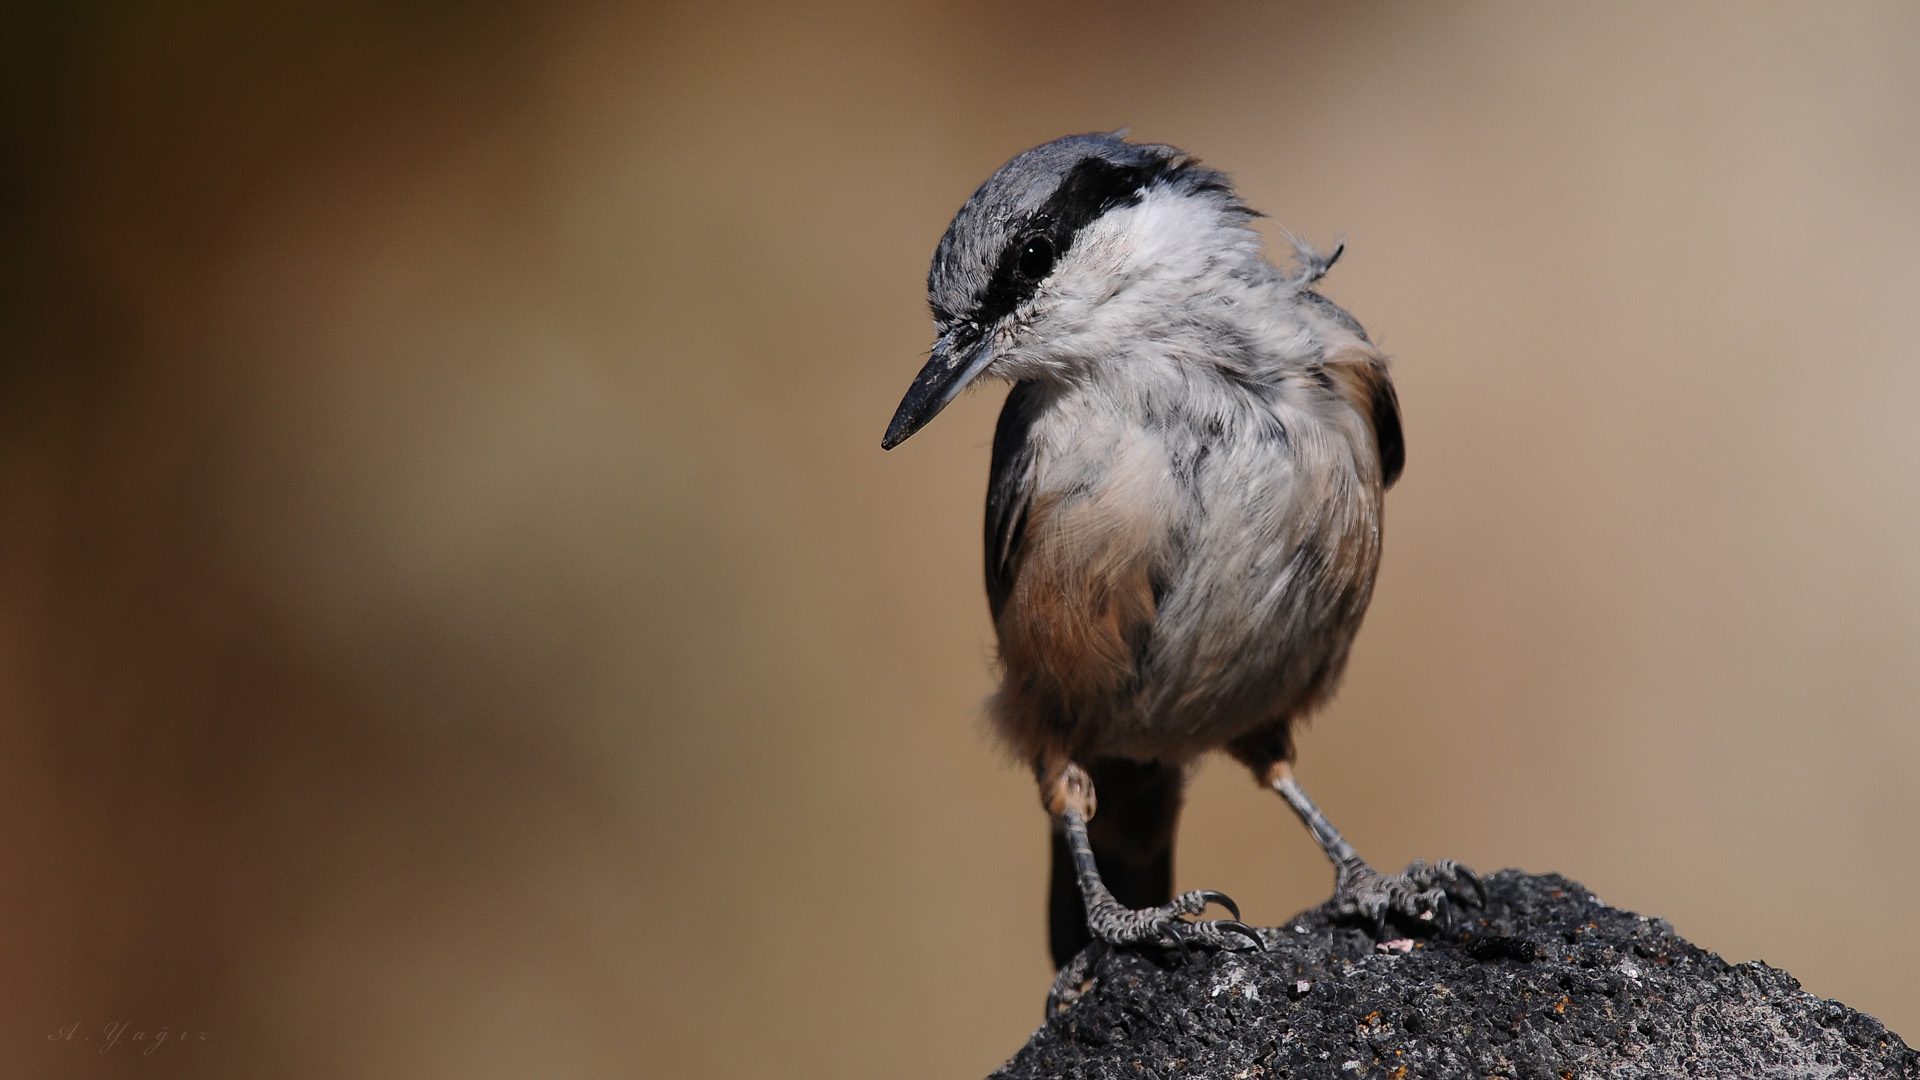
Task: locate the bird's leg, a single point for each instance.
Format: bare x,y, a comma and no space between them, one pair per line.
1068,793
1423,892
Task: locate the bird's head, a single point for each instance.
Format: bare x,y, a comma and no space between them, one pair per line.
1072,245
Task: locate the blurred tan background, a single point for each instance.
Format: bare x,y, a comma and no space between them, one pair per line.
456,619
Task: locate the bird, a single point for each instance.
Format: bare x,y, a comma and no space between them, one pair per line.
1183,518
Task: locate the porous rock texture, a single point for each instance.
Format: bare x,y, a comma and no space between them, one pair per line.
1545,982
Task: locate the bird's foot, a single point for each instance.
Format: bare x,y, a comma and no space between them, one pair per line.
1161,927
1425,895
1164,926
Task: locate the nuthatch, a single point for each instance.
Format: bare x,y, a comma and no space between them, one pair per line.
1183,514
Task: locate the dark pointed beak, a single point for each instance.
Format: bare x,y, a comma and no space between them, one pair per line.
961,354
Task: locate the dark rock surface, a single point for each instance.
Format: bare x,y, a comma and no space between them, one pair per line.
1545,982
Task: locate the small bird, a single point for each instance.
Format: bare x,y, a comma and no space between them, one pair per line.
1183,516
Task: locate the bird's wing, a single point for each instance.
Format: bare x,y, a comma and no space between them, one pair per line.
1360,376
1009,491
1368,385
1386,430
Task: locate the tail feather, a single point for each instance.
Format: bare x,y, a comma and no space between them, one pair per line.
1132,836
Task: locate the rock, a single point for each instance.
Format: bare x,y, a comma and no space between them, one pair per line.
1545,982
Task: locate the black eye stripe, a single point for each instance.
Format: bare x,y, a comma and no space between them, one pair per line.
1092,188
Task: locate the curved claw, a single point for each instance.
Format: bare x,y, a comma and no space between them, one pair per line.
1235,926
1214,897
1457,881
1473,879
1453,878
1370,911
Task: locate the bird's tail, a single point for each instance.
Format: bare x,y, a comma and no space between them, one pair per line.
1132,835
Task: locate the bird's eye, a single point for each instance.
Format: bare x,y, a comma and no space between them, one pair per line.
1036,258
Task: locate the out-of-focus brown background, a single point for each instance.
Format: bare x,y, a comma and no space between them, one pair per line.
456,619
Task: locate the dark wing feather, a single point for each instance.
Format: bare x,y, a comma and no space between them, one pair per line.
1385,404
1386,431
1009,491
